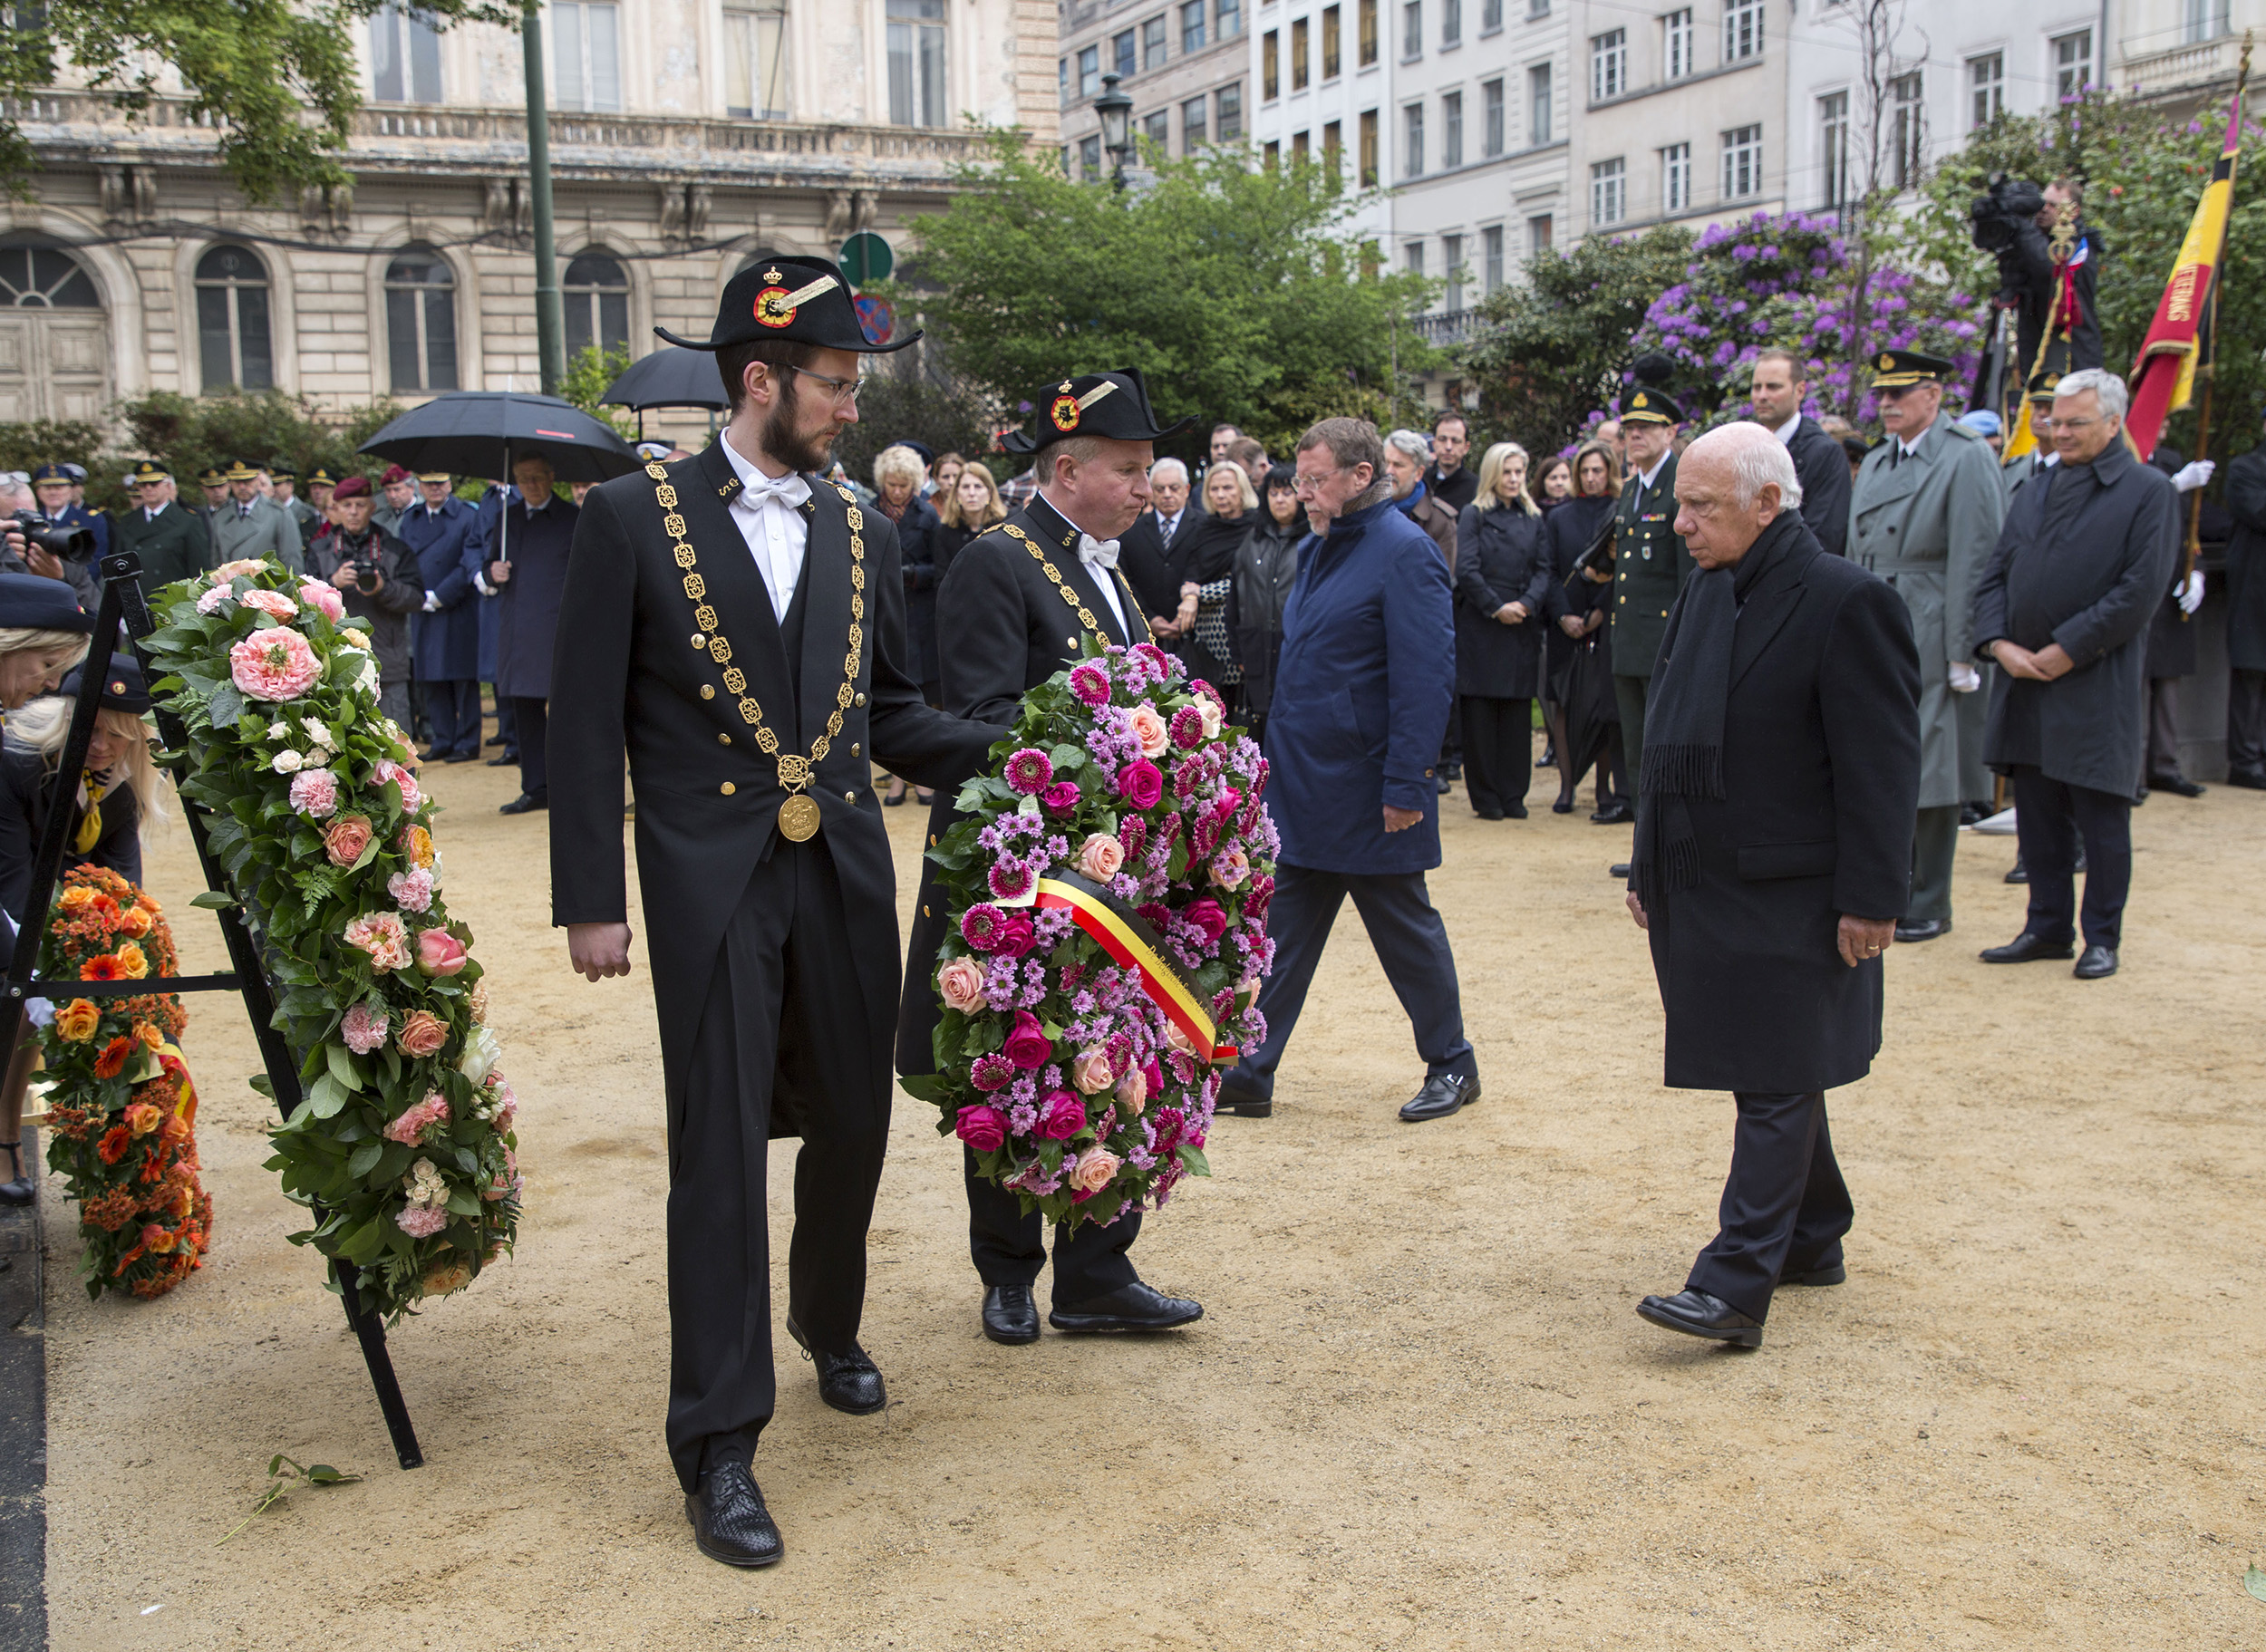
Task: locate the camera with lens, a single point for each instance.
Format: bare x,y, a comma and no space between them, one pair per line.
68,544
1997,222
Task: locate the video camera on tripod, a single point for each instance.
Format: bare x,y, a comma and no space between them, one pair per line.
1999,222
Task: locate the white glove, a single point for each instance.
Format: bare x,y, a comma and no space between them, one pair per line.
2191,476
432,602
2191,592
1964,678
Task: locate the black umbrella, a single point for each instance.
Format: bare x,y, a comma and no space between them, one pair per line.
479,432
670,377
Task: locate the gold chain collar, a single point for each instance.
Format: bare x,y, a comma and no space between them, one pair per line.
1085,614
797,816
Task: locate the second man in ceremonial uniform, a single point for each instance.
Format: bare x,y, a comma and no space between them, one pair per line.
1650,564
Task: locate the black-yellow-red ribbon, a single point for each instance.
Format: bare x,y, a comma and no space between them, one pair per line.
1127,937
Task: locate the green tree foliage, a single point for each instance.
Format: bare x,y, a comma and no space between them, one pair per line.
1556,344
2144,170
589,371
948,418
252,68
190,432
50,441
1235,290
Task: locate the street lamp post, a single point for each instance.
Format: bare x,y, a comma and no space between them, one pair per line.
1116,111
550,317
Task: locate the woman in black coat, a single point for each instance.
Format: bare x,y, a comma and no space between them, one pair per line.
1266,565
1203,555
899,477
1502,594
1577,615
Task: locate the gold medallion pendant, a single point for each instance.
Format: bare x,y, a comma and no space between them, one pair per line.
797,818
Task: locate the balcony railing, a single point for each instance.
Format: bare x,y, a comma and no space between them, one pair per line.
2154,73
1449,327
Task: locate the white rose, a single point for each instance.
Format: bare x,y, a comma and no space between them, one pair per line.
320,758
481,1052
1208,710
316,732
286,761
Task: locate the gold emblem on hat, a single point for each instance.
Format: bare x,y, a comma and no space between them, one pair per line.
1063,413
774,274
771,308
1886,362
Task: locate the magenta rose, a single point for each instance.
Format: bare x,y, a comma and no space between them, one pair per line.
1141,784
992,1072
983,1128
979,926
1062,1116
1091,683
1028,770
1016,936
1060,797
1205,915
1155,913
1028,1045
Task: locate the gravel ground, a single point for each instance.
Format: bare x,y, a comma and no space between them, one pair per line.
1418,1412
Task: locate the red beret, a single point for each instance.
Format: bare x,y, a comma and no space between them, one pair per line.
393,473
353,487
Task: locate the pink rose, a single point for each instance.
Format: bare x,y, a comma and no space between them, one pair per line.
1133,1089
1096,1168
421,1222
983,1128
322,597
1028,1045
1230,868
1062,1116
1141,784
412,890
1091,1072
1100,856
422,1034
1151,730
1016,936
441,954
1205,916
274,664
1060,797
273,603
1091,683
960,985
387,771
314,793
1179,1039
346,838
212,601
382,936
229,571
1215,718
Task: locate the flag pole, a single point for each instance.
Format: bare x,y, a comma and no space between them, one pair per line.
2206,370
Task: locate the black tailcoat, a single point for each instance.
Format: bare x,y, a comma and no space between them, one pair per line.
1501,557
1821,785
1823,469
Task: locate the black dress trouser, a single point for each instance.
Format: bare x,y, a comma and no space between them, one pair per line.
532,718
783,1035
1498,751
2049,817
1785,1205
1009,1248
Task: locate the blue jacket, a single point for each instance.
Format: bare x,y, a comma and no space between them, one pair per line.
447,547
490,601
1362,696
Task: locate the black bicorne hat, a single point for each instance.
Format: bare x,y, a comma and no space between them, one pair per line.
123,689
784,296
1114,405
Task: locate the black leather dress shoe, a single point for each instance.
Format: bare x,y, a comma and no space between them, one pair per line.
1440,784
2027,948
2096,963
1011,1315
495,739
1612,814
1442,1095
2249,779
1618,871
1697,1314
1129,1308
1243,1104
1514,811
849,1382
432,754
1488,814
2179,785
526,803
1836,1275
1922,929
730,1521
502,762
2018,873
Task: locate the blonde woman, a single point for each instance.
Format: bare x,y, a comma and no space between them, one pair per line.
1203,555
899,475
1502,602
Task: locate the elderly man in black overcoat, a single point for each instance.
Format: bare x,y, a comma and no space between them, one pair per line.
528,540
1773,857
2063,606
734,627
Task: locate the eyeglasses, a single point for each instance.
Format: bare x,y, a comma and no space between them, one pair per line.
1311,482
843,391
2070,424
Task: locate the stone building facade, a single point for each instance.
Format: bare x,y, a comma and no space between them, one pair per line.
1182,62
687,135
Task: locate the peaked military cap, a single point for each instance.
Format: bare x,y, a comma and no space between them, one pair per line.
73,474
788,296
320,477
123,689
436,476
282,473
1110,404
239,471
51,473
147,470
1645,405
212,476
1894,369
2042,385
29,602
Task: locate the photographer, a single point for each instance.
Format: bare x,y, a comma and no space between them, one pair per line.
373,571
2015,221
62,500
32,549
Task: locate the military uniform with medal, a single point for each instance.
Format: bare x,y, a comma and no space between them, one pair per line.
1650,566
734,628
1017,605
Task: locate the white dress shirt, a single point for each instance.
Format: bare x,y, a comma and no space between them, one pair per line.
1645,478
1785,432
1166,527
766,511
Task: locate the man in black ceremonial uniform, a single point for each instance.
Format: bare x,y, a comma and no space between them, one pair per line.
1016,607
735,628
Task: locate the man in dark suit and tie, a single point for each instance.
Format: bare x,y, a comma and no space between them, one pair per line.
1773,857
1017,606
1780,387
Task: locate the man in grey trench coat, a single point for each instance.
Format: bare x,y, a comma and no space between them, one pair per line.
1924,515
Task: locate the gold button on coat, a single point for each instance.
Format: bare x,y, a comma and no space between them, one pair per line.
723,740
707,692
849,797
861,700
728,789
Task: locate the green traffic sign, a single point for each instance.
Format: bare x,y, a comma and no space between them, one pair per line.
867,258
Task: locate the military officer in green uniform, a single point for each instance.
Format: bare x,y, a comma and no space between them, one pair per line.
169,539
1649,564
1924,516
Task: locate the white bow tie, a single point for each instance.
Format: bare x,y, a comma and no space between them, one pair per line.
1097,552
789,490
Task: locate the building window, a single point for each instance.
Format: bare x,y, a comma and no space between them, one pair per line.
2073,62
1986,89
1192,28
1090,157
597,303
1676,177
1490,16
1121,52
1833,148
587,55
1367,26
1412,141
1090,71
404,57
1231,20
1412,31
1333,144
755,61
1742,31
1412,258
1451,131
1452,267
45,278
1062,80
1451,23
1157,129
1299,45
1538,114
1742,162
1369,149
1908,128
1491,118
1302,146
1230,126
1608,65
1676,38
1192,136
917,63
1153,44
1330,56
1538,236
1537,9
1608,192
1271,155
231,319
1491,258
1270,65
420,321
2207,20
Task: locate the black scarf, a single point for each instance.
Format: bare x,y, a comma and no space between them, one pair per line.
1683,715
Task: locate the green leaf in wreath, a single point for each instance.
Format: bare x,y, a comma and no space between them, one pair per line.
226,706
342,1066
1192,1159
326,1097
364,1156
923,1086
212,900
